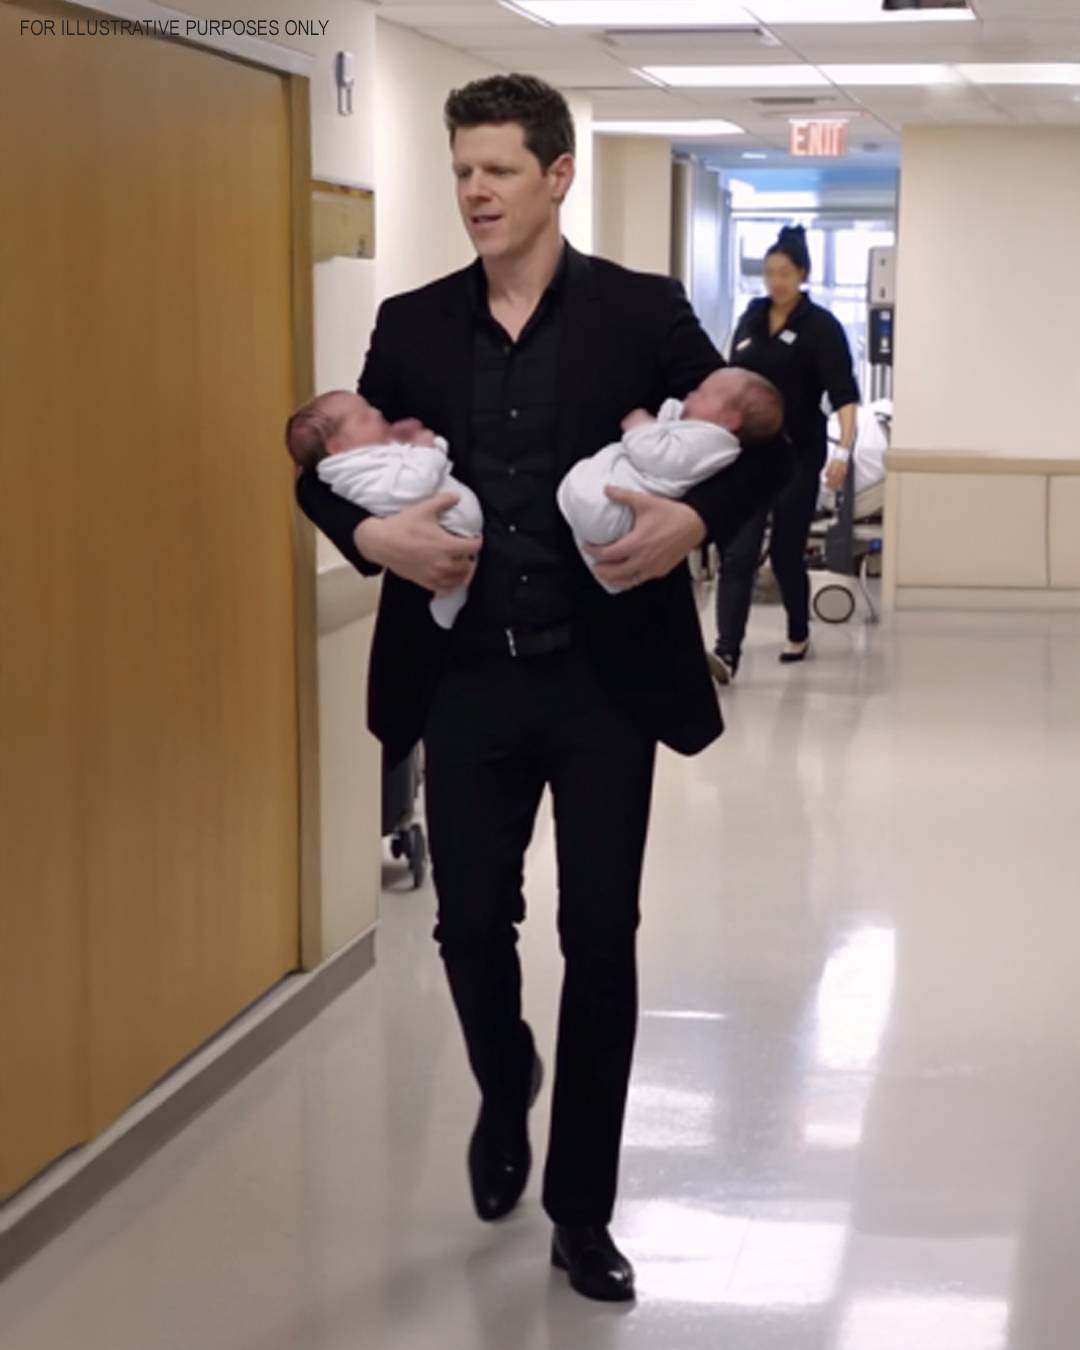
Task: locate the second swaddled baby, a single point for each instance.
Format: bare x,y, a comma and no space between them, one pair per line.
383,468
669,454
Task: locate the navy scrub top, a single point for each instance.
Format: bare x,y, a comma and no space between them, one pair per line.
808,358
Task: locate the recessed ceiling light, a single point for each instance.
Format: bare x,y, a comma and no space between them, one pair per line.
698,127
848,11
895,76
1042,73
634,13
738,77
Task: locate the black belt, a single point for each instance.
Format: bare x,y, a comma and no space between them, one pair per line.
518,642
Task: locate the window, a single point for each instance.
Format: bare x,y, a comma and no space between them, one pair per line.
840,256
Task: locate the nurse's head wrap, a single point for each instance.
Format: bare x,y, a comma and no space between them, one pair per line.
792,244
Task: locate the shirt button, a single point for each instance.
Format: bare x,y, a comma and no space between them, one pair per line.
513,529
507,349
512,471
513,412
524,577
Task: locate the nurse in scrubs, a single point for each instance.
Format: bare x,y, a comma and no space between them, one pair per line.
804,351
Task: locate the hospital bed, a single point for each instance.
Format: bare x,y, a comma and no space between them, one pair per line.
847,537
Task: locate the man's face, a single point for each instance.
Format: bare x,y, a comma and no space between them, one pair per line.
505,197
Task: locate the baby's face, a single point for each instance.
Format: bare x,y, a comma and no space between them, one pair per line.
353,421
718,399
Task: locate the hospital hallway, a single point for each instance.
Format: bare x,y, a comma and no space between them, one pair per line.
856,1099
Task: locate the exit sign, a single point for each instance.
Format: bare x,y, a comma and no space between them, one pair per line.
819,140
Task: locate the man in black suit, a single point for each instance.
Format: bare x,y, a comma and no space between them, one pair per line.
527,361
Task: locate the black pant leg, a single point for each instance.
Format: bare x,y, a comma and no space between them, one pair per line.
483,787
793,513
739,563
601,771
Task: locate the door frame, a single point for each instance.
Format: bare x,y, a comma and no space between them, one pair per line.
294,67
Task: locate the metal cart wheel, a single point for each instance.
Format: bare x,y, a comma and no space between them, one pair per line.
411,845
834,604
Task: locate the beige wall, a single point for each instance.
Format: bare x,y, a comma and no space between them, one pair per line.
988,347
982,503
578,211
419,231
342,147
632,190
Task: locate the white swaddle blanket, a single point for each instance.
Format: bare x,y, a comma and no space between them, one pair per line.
385,479
667,457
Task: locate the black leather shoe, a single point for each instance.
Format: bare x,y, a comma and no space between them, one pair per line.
499,1169
595,1265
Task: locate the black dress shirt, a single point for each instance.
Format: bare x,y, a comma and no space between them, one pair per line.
528,574
627,340
808,358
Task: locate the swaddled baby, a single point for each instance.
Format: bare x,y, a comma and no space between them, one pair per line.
382,467
669,454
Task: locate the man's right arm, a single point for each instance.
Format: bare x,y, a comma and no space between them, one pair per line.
337,518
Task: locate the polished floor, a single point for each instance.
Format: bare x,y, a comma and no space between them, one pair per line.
855,1121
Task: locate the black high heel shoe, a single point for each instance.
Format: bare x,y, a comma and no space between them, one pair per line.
793,658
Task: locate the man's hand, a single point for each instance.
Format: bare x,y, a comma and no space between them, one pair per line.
413,545
638,418
836,474
665,533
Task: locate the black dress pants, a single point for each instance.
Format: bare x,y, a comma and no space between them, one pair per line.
499,731
792,515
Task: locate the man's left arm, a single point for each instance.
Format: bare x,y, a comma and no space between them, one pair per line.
727,500
667,531
687,354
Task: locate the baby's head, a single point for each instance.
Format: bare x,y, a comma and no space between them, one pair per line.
332,424
743,403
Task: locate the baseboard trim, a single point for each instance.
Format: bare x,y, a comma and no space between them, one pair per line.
57,1197
970,597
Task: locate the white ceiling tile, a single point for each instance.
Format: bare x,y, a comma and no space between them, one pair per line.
658,49
576,79
718,49
484,8
1010,30
1025,41
530,38
901,107
472,39
414,15
717,102
897,46
581,58
1026,11
647,102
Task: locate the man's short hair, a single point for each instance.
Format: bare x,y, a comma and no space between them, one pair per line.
762,409
541,111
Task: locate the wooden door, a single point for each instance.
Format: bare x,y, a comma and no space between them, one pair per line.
149,801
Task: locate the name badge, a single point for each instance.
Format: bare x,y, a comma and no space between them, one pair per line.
788,336
746,342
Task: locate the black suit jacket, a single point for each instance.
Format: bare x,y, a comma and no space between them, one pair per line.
629,340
